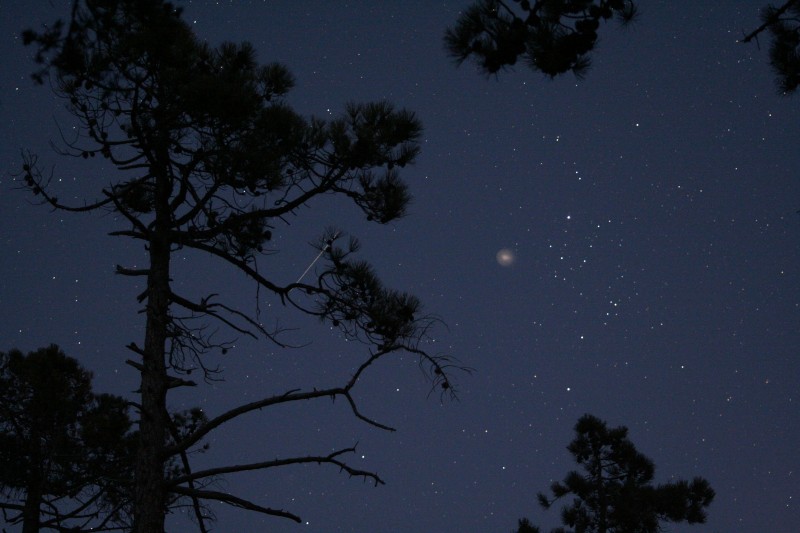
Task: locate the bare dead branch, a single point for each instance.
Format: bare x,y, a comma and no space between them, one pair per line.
132,271
291,396
196,507
241,264
234,501
206,309
320,459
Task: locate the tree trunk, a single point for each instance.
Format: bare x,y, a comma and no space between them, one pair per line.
34,487
149,493
30,513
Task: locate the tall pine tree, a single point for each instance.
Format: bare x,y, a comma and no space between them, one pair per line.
210,157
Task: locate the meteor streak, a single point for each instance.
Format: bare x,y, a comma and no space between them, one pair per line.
325,249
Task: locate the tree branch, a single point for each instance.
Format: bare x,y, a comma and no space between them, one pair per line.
241,264
331,458
234,501
775,17
198,512
38,184
291,396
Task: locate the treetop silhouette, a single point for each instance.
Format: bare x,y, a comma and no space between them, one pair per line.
553,37
558,36
614,492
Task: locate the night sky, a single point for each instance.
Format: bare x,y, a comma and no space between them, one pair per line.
651,256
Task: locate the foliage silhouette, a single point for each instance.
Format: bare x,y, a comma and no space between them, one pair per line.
553,37
558,36
66,453
614,493
211,158
525,526
784,52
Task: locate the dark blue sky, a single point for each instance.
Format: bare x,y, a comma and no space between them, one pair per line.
651,210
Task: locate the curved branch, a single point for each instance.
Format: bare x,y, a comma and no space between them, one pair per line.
205,308
235,501
212,424
330,458
35,181
241,264
187,468
12,506
291,396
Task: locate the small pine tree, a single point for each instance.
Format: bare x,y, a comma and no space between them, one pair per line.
66,454
614,490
